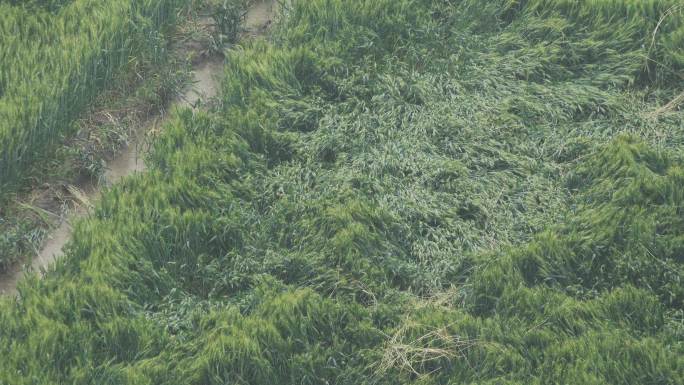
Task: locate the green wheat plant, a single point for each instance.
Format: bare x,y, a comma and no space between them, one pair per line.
54,58
391,192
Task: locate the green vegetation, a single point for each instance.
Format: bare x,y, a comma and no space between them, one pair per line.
142,88
56,56
101,131
393,192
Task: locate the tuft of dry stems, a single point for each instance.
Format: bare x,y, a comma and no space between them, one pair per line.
669,107
80,196
677,101
413,356
670,12
441,299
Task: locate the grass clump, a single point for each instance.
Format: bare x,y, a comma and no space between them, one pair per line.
388,192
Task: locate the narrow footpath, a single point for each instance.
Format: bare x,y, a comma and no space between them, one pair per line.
204,85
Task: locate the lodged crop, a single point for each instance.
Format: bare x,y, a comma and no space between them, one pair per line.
390,192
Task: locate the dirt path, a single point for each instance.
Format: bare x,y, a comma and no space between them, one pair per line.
204,85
